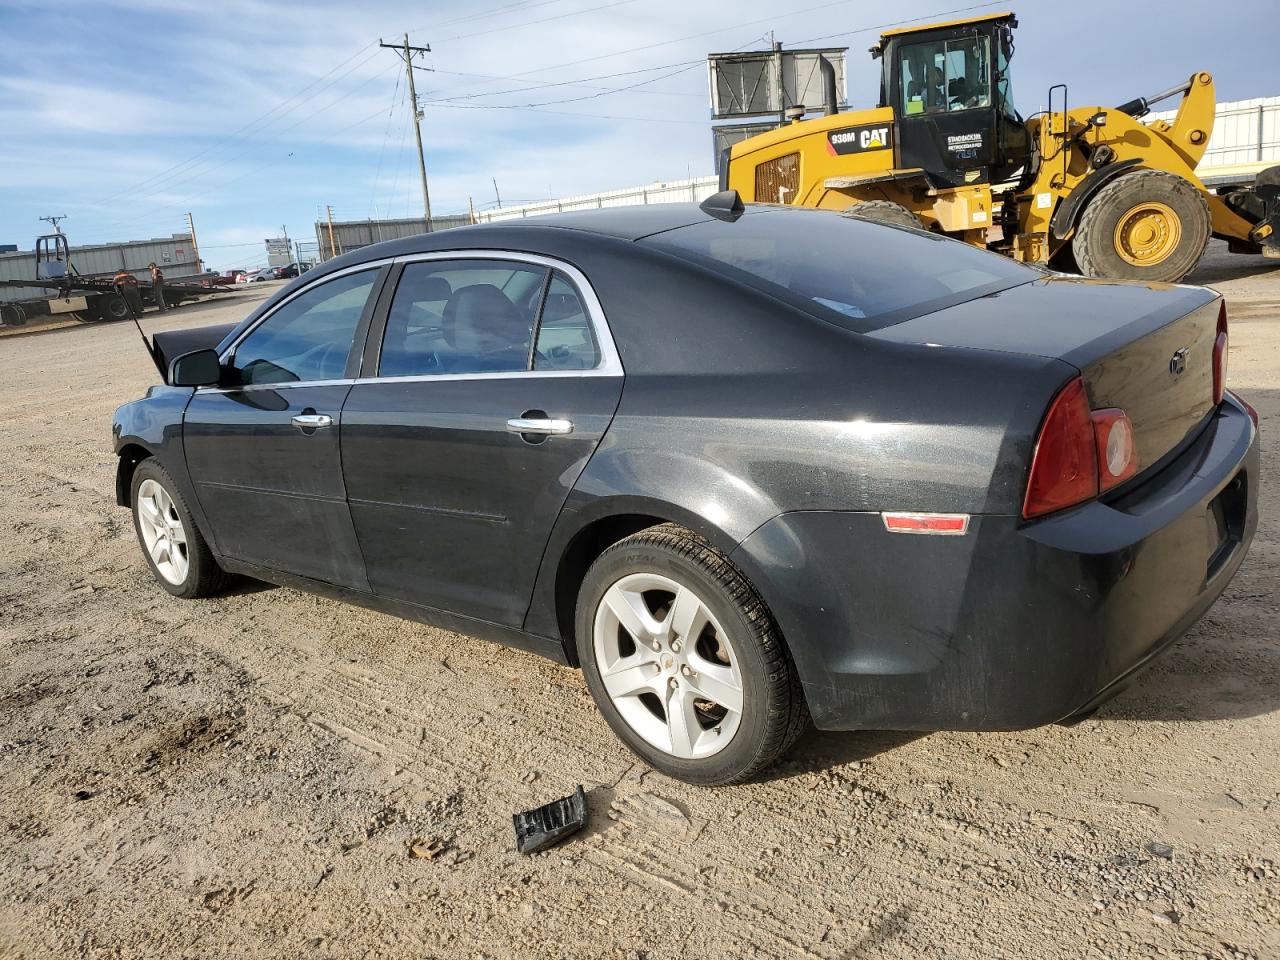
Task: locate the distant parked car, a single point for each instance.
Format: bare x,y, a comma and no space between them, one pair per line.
287,272
743,467
262,273
232,276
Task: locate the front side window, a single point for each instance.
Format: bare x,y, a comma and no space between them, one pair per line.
945,76
310,337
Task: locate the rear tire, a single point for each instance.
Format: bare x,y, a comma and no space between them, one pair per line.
177,554
111,306
1146,225
700,684
884,211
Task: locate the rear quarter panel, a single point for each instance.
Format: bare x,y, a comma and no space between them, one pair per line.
737,408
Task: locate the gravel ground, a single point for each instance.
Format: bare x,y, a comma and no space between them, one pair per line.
268,774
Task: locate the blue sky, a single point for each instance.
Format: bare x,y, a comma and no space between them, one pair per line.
126,114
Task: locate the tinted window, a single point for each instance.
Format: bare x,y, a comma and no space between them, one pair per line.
461,316
860,275
309,338
565,338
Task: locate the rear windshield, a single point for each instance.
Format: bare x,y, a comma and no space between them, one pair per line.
859,275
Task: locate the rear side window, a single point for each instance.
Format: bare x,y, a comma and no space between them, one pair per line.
565,338
461,316
859,275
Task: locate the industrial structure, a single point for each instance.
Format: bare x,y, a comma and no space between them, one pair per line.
1090,189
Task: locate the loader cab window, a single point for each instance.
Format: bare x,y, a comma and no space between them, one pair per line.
945,76
1004,82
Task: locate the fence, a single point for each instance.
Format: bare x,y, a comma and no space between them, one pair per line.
1245,139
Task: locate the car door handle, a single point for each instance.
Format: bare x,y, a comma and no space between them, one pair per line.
540,426
312,421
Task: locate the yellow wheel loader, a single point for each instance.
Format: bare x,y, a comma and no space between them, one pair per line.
1089,189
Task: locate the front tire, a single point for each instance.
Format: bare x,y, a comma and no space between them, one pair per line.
177,554
1146,225
684,660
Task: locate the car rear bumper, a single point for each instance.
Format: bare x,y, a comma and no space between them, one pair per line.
1014,624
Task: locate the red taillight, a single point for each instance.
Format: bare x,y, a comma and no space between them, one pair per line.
1117,459
1064,467
1220,356
1248,407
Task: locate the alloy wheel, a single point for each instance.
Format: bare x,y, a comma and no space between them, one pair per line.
163,534
668,667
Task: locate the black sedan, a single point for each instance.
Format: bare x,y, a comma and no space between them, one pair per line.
743,467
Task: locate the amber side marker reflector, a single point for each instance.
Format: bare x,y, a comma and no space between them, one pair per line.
938,524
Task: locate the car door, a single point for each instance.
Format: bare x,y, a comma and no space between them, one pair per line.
462,440
262,448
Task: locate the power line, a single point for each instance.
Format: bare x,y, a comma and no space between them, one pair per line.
242,130
583,82
386,137
567,113
494,12
896,23
530,23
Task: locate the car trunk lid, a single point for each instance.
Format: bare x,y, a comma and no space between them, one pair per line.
1144,348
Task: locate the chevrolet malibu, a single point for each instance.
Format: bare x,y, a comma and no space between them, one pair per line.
747,468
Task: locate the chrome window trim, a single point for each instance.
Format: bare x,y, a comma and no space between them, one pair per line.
610,362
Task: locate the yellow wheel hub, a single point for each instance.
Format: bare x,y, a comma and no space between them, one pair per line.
1147,233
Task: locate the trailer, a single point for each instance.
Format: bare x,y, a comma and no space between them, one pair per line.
87,298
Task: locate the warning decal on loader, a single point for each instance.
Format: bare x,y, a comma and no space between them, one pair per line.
877,136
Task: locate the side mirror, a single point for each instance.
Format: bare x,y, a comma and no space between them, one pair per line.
201,368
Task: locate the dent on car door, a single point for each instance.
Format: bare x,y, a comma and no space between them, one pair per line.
262,448
495,379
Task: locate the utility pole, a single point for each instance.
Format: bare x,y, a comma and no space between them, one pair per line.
496,193
195,247
407,53
333,250
284,232
55,221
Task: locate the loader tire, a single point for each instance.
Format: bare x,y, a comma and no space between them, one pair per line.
884,211
1146,225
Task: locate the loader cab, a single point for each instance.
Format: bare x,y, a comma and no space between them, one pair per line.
53,257
951,91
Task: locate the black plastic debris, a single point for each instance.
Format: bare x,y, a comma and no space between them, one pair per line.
547,825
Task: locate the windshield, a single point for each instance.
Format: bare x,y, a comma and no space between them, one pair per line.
857,274
945,76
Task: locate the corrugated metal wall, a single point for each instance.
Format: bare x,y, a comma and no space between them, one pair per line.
676,191
351,235
174,255
1246,133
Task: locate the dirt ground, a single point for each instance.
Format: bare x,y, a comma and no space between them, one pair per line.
248,776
